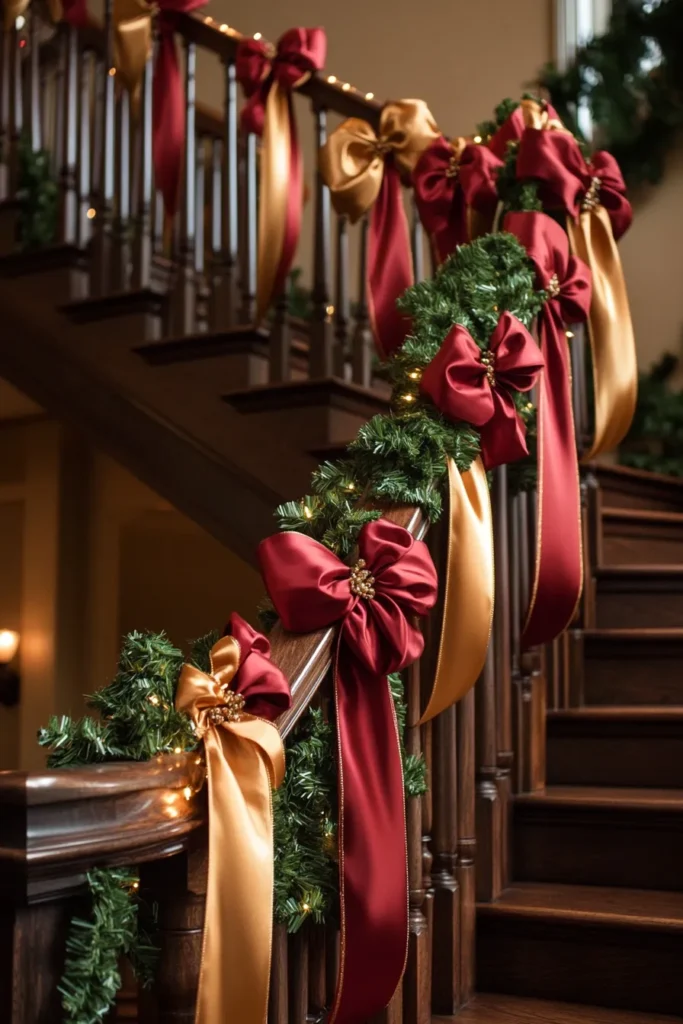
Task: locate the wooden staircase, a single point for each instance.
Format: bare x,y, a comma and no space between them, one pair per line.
594,911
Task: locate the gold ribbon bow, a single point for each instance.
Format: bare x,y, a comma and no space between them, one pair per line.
468,590
352,159
132,41
610,329
244,759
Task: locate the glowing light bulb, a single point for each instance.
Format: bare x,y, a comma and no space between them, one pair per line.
369,95
9,642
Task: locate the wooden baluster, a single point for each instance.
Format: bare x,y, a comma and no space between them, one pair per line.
446,937
466,844
84,223
59,103
199,206
224,289
185,297
35,117
142,257
121,268
250,249
278,1004
362,344
332,945
158,222
18,111
502,647
322,339
6,36
103,241
97,150
279,347
68,183
427,819
341,302
298,977
580,370
317,979
489,810
417,243
417,979
178,886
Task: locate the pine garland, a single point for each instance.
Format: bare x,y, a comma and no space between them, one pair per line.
655,439
631,80
37,194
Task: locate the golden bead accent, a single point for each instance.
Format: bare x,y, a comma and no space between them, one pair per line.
453,167
362,582
231,711
488,359
592,196
553,287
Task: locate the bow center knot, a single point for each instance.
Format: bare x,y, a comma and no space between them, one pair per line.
488,358
453,166
231,711
362,582
553,287
592,196
382,147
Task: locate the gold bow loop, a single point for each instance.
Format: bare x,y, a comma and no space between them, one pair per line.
352,160
536,115
132,41
244,759
13,9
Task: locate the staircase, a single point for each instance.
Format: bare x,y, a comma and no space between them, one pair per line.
545,863
594,910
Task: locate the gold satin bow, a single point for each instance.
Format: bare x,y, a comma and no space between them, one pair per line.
132,41
352,159
610,329
244,759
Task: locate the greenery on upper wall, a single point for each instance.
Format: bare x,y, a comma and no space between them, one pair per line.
631,80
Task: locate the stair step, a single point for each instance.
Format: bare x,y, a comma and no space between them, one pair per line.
635,536
623,487
639,596
131,317
616,746
595,835
620,948
633,666
236,341
500,1009
312,413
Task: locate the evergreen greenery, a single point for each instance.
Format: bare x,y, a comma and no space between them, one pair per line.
37,194
631,80
655,439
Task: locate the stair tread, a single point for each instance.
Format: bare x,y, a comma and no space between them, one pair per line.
639,570
604,796
614,712
503,1009
642,515
605,470
592,904
637,633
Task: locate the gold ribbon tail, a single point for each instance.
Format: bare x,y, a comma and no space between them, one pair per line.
245,759
13,9
615,369
274,169
132,43
469,589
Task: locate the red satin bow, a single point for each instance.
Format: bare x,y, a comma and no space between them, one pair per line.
311,589
297,54
555,159
264,688
445,184
559,573
75,12
465,387
512,128
168,129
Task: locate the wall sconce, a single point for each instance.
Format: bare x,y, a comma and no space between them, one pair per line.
9,679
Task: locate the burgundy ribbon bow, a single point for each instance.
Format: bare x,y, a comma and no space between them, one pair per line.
374,604
75,12
559,572
512,129
568,181
168,127
446,184
467,384
297,54
262,684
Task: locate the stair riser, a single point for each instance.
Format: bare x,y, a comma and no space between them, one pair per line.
651,494
629,544
639,609
601,846
635,674
653,759
624,968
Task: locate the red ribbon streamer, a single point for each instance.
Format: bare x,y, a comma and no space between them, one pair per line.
390,263
446,184
463,387
168,122
311,589
75,12
559,573
298,53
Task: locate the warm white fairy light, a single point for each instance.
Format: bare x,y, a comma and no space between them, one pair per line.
369,95
257,36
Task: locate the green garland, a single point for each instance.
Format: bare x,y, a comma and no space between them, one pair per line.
655,439
38,197
631,80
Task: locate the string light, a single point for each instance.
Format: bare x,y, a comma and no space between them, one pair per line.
570,334
91,214
153,699
187,792
477,139
307,512
346,86
112,72
331,79
257,36
135,885
306,908
407,397
20,22
415,374
369,95
177,750
329,310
